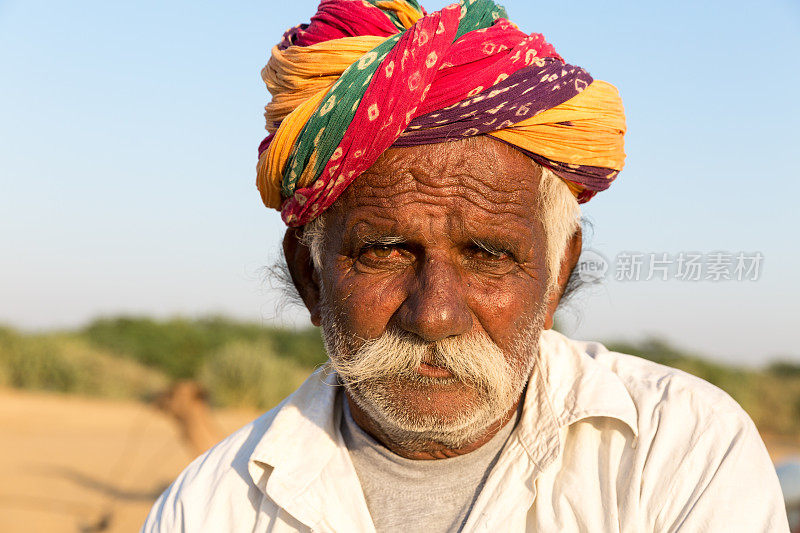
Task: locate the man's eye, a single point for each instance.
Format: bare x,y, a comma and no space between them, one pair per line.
486,255
380,251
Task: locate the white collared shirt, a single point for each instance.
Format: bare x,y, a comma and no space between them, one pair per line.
605,442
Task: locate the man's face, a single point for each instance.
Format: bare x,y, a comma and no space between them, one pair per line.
437,252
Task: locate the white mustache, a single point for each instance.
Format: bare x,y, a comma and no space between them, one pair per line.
473,359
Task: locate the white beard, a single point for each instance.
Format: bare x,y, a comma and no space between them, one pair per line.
377,373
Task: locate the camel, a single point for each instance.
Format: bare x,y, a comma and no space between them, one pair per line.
187,403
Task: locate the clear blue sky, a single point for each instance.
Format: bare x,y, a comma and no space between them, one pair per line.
128,149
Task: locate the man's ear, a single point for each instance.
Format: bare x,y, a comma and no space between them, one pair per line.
301,268
571,256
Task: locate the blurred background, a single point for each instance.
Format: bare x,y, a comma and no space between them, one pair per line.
138,321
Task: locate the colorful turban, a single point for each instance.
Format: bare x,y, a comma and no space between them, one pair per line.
366,75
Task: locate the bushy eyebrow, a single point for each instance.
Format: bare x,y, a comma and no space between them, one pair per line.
493,246
384,240
380,240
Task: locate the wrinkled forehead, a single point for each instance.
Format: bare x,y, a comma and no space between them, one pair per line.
475,181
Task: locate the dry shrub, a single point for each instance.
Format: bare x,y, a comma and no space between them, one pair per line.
65,364
250,374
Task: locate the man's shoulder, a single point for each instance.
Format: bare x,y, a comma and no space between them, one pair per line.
697,458
658,387
670,403
222,470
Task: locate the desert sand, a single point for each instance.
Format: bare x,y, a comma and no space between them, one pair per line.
80,464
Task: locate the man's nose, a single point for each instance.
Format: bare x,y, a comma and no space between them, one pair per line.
436,305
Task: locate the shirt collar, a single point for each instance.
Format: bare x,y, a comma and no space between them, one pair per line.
581,384
300,441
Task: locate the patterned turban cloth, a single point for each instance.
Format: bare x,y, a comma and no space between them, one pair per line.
366,75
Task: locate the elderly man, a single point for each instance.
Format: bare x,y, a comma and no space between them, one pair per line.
430,168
